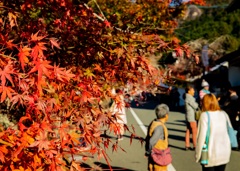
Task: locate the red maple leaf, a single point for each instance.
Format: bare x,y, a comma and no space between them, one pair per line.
3,151
62,74
41,66
42,141
18,98
10,45
98,68
23,54
54,43
5,41
107,23
35,37
85,96
37,51
6,92
6,72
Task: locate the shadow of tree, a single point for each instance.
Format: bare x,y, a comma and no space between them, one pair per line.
136,137
144,105
176,147
151,104
177,130
173,123
103,166
176,137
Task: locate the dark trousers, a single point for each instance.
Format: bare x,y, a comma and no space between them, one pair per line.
214,168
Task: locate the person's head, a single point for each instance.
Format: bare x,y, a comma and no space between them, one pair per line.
190,90
162,111
210,103
233,94
231,90
205,85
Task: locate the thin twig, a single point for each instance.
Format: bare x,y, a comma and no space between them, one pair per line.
99,9
7,56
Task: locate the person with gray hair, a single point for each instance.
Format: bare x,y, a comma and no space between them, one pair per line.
157,132
161,111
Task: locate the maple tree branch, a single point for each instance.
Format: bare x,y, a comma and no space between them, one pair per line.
99,9
100,18
104,19
4,7
7,56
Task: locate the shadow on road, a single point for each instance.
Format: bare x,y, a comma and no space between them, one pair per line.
176,137
176,147
151,104
103,166
114,138
144,105
177,130
173,123
136,137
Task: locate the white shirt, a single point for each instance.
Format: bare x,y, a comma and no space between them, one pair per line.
219,147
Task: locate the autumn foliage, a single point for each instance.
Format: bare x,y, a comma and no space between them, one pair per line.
59,60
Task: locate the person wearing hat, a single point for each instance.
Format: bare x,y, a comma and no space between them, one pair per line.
205,89
157,132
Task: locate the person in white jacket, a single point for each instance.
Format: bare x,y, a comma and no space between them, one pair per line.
219,147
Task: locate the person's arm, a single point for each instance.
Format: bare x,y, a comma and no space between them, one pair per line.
193,104
201,135
157,134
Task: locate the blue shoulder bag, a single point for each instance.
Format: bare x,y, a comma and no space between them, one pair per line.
232,135
204,154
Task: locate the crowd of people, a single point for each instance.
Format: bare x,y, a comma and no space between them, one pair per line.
210,131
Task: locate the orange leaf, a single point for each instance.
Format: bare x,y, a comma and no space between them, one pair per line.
3,151
98,68
6,73
53,41
85,96
42,141
12,19
35,37
61,73
2,159
6,92
23,55
37,51
10,45
77,166
41,67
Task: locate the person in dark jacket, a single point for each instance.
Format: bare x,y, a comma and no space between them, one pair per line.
232,108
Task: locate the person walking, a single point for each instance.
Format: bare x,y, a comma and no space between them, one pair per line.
219,147
191,106
157,134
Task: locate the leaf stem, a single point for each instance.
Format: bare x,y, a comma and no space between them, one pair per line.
7,56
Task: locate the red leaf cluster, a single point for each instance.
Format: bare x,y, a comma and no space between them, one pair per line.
58,63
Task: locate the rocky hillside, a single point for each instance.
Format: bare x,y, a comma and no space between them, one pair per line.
213,26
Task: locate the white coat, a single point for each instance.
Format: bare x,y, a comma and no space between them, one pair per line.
219,148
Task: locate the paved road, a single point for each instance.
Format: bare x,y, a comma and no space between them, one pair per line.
133,157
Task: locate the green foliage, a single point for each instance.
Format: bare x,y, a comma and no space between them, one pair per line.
211,25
